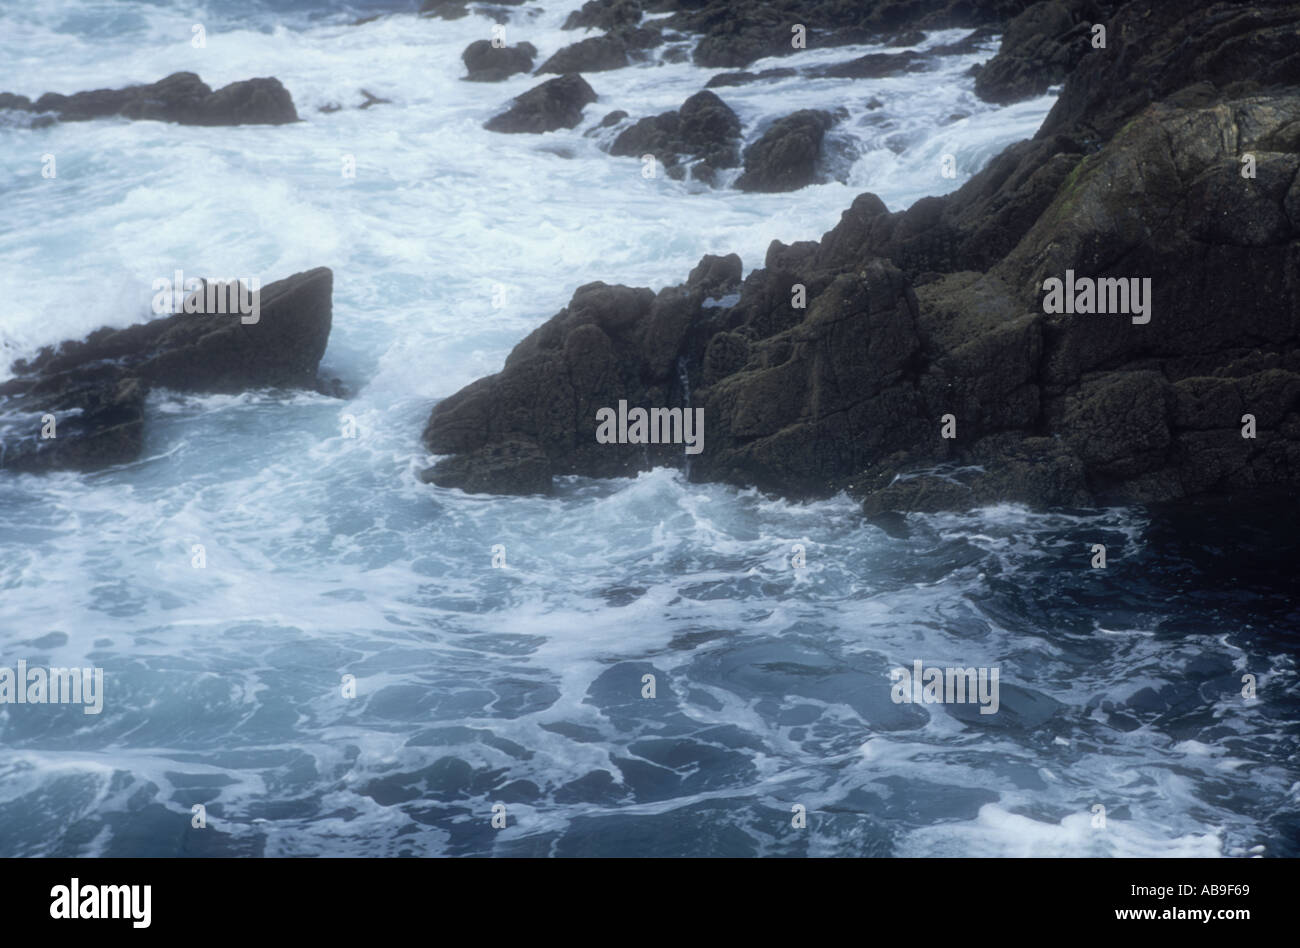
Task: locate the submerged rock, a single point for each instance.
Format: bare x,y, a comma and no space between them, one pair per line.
95,388
556,103
872,66
744,78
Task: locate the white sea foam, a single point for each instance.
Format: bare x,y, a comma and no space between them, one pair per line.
325,555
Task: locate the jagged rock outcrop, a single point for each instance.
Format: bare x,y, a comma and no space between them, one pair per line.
556,103
1039,49
1156,49
182,98
95,388
908,357
704,133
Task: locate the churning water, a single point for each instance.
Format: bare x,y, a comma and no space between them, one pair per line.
522,686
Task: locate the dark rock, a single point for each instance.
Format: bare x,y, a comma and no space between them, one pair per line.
613,118
1155,49
967,44
98,422
445,9
251,102
785,158
604,15
704,130
744,78
510,467
372,100
733,35
1040,48
938,310
10,101
602,53
873,66
182,98
556,103
95,388
906,38
488,63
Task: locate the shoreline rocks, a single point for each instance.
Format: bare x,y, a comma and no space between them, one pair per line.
95,388
907,357
182,98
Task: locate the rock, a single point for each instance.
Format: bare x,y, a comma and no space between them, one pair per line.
510,467
99,422
604,15
182,98
372,100
733,35
445,9
744,78
612,119
488,63
1155,49
937,311
252,102
872,66
785,158
1040,48
967,44
556,103
602,53
704,130
95,388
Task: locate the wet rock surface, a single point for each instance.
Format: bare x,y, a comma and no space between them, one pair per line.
182,98
932,320
94,389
